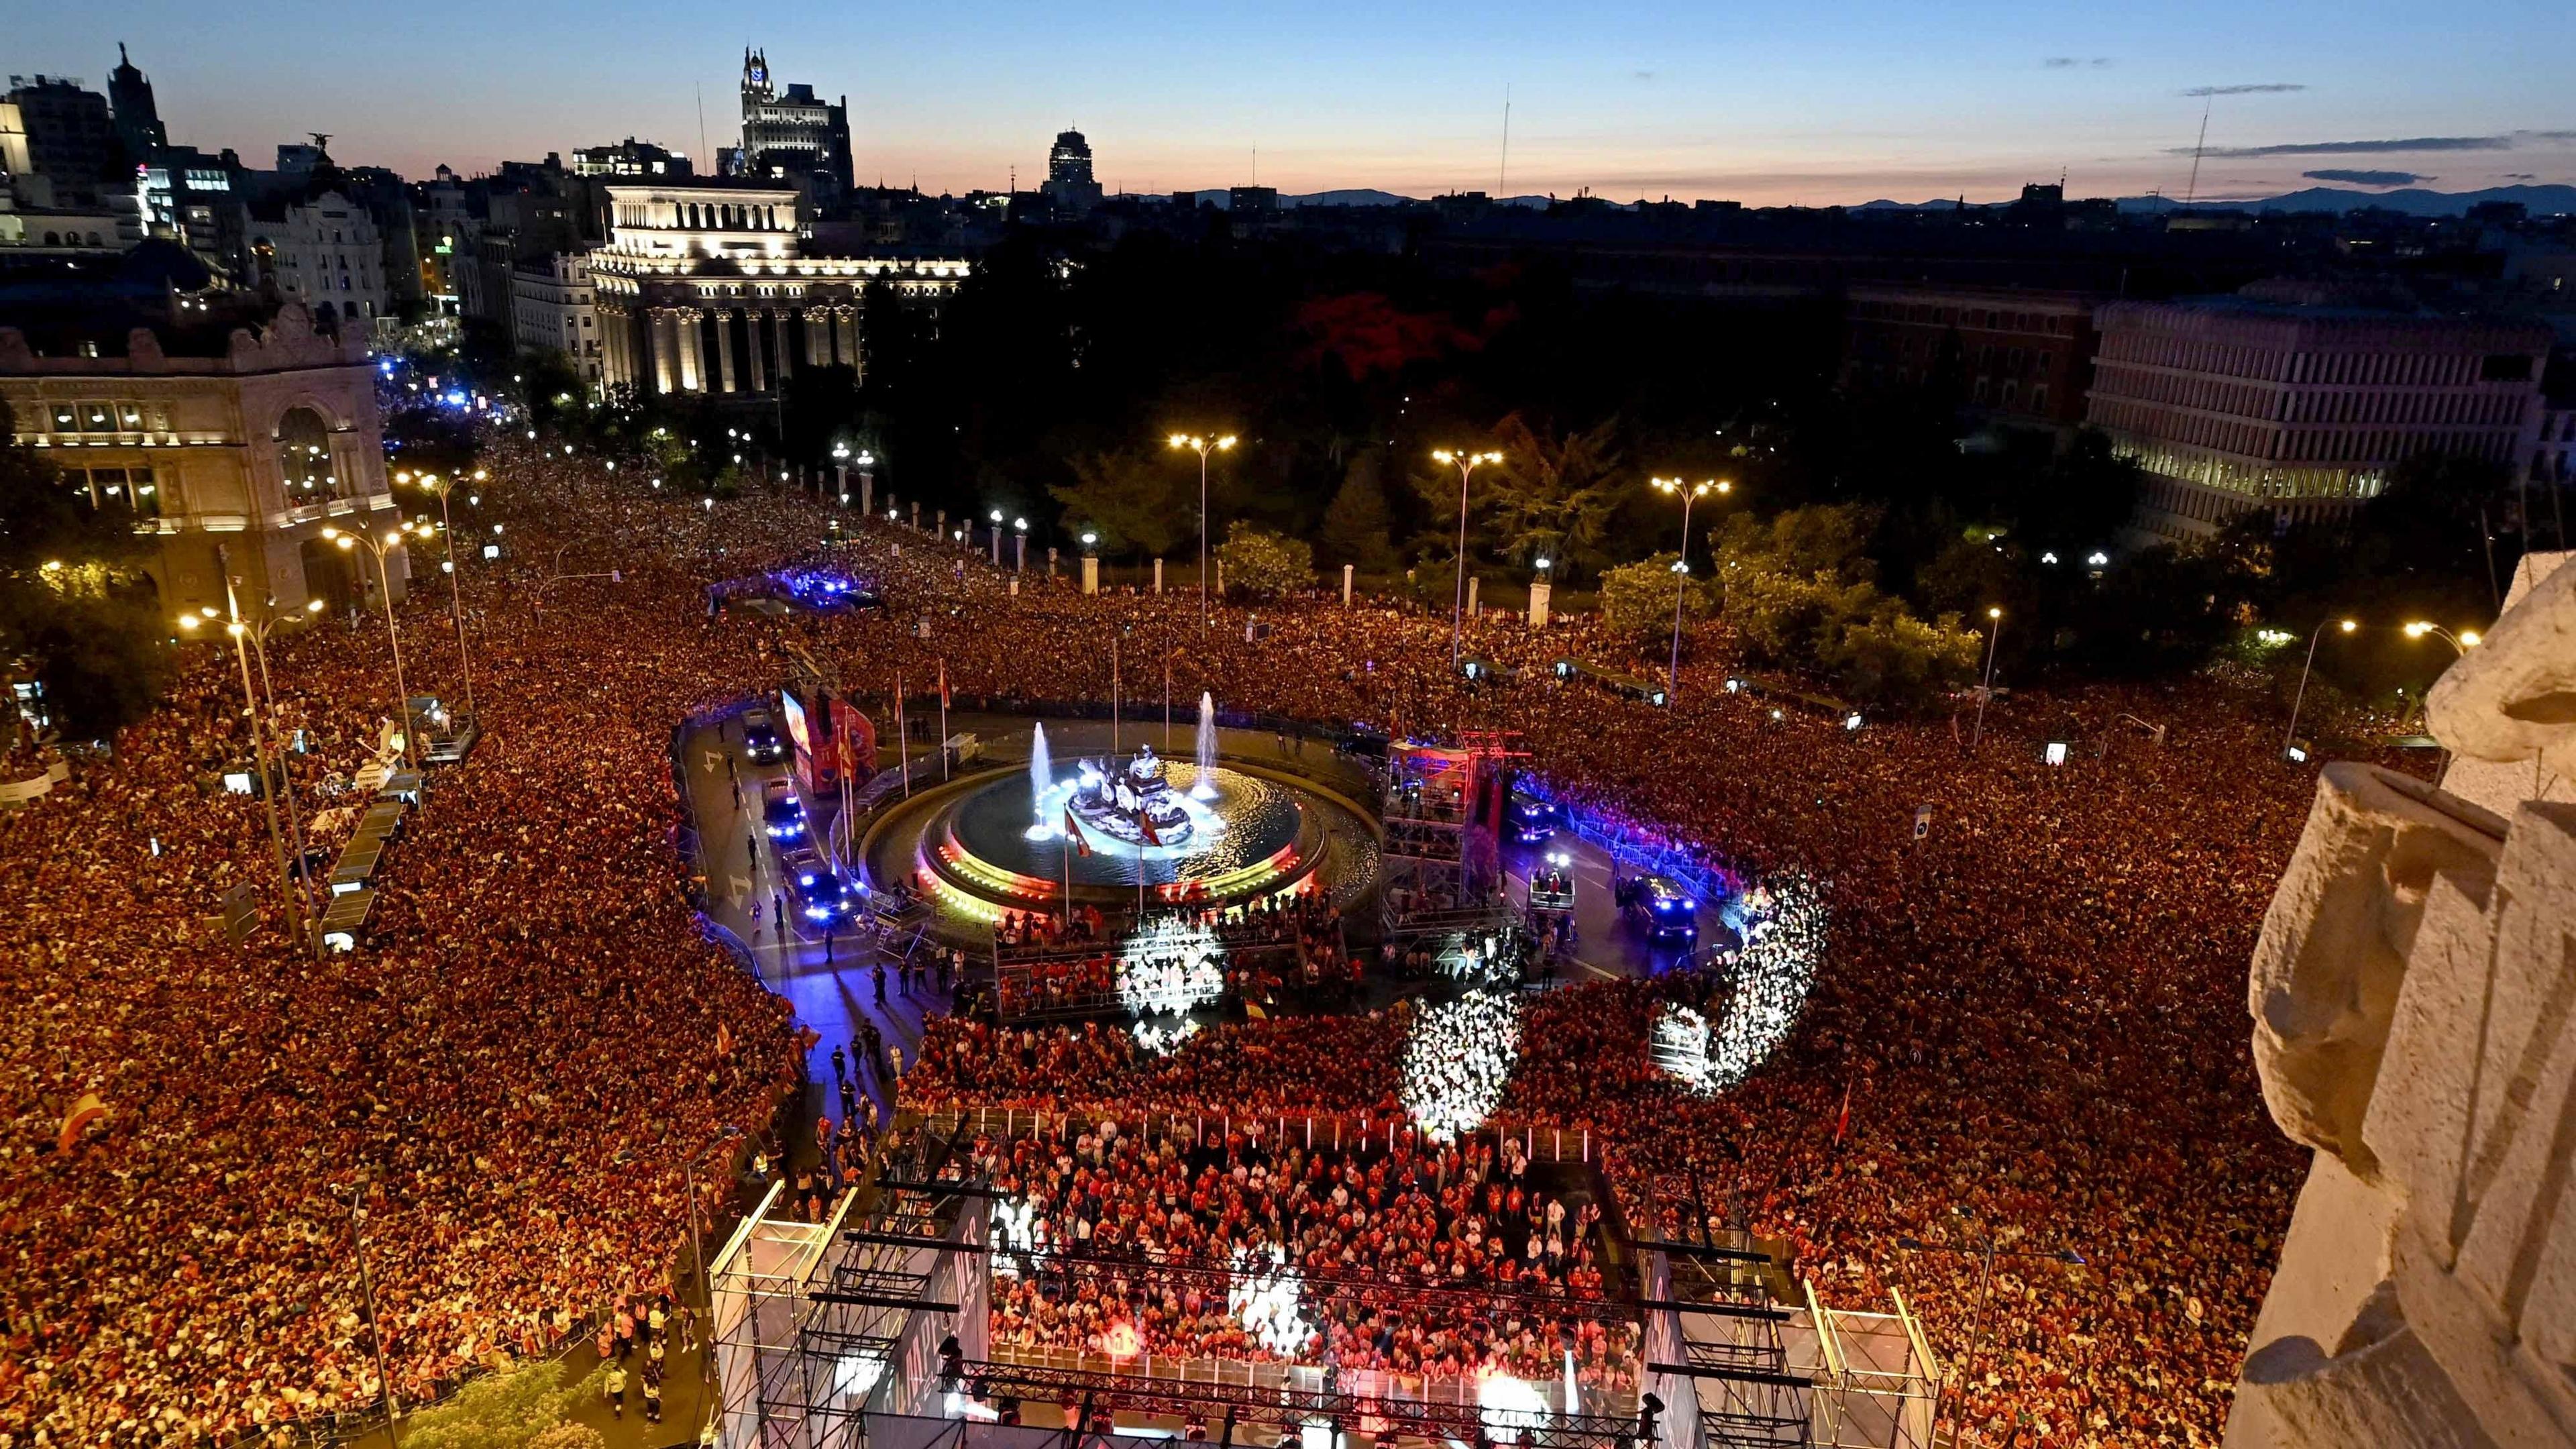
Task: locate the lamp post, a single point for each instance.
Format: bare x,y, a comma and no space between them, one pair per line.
1986,691
441,488
378,549
258,635
1466,464
2289,737
1019,545
996,516
1688,493
241,637
375,1323
1202,446
2461,643
1987,1252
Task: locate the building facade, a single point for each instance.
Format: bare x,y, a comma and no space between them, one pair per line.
550,310
328,254
59,130
792,133
2239,403
247,440
137,114
629,157
706,288
2019,356
1070,185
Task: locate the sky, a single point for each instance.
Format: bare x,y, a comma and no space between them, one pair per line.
1764,101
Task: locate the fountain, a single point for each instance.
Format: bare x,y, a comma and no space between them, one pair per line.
1041,782
1204,786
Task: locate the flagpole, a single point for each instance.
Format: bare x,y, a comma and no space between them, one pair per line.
1113,696
943,721
902,740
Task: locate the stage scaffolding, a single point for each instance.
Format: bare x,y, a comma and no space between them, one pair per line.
1741,1363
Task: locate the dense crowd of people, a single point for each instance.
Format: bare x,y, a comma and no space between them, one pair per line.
2026,1029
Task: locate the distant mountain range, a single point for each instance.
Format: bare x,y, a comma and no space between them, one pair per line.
2413,201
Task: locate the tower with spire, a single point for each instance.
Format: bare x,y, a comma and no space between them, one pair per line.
138,118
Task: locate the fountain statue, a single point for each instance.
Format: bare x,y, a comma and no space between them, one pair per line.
1204,787
1041,783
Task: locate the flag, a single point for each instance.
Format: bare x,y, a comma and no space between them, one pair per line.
83,1112
943,684
1145,824
724,1040
1073,833
1843,1123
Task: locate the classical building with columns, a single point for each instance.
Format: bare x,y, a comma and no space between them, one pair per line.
707,288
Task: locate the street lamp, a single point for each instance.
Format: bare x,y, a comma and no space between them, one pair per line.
1020,545
1986,691
2462,642
2289,739
441,488
1466,464
996,516
1688,493
243,637
378,549
1203,446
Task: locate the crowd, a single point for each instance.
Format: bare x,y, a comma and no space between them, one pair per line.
2026,1025
1385,1240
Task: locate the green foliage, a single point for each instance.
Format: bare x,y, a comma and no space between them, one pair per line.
1260,564
1137,500
75,607
1637,599
1797,587
1552,496
511,1410
1890,655
1357,527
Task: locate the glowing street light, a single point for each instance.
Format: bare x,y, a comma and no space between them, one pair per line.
442,488
1689,493
1203,446
2289,738
378,549
1466,464
2463,642
1986,691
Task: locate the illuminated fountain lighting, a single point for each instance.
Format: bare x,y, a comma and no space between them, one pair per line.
1267,1304
1457,1060
1041,785
1204,788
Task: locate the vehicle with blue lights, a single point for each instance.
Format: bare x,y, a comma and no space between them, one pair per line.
1532,820
823,898
782,815
760,741
1659,905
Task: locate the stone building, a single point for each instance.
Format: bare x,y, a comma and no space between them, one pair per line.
2019,356
707,288
251,437
2296,404
550,310
328,253
2414,1005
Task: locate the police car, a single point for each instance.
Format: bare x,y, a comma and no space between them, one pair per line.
782,815
1532,820
822,897
760,741
1660,905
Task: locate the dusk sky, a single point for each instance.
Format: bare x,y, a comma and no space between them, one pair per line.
1762,101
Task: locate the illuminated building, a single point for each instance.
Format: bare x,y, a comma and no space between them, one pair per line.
791,134
209,425
629,157
551,310
1069,184
2276,399
706,287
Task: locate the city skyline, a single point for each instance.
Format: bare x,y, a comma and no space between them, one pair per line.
1766,104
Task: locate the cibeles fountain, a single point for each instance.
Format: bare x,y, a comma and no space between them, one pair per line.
1105,818
2414,1001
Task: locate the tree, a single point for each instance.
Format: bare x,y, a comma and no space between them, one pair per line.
1889,655
1135,499
75,605
1637,599
1260,564
1358,530
1553,495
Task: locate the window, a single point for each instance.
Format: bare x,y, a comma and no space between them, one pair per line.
304,457
135,490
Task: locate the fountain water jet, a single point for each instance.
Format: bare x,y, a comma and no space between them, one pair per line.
1204,786
1041,782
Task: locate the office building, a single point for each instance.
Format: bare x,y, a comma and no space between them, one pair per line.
2299,401
791,135
328,253
1069,184
137,116
55,130
2013,355
550,310
629,157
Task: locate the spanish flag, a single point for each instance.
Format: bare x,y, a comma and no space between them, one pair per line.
83,1112
1073,833
1145,827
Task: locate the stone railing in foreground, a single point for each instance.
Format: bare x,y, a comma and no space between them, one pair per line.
2414,1003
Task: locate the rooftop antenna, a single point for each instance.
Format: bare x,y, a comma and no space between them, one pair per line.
708,156
2192,188
1503,168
